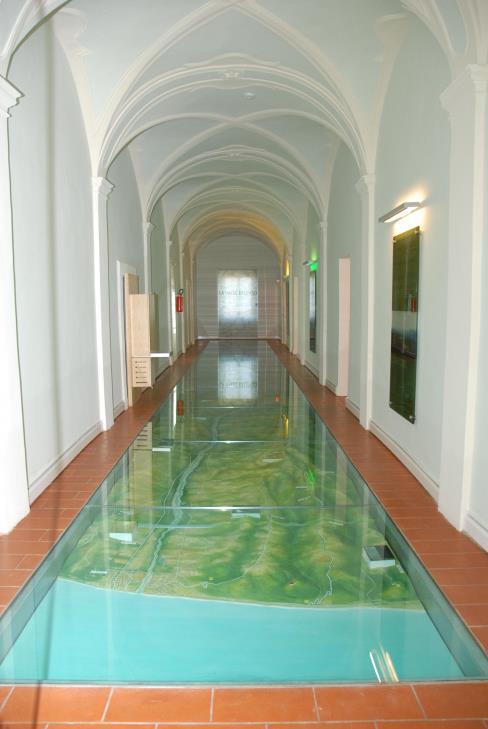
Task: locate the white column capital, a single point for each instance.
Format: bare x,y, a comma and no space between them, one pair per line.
365,184
9,96
102,186
323,225
147,227
472,80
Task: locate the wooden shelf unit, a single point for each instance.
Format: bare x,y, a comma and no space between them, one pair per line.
144,338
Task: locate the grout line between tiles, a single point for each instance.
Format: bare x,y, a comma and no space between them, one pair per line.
107,704
421,706
4,702
157,725
315,703
250,724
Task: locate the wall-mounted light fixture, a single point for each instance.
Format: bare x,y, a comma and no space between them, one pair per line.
313,264
400,211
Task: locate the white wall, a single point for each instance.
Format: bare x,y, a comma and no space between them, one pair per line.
478,503
178,281
478,506
413,162
311,252
159,281
344,241
237,252
189,296
52,221
125,244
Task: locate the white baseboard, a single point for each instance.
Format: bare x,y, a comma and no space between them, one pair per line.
330,386
120,408
353,408
476,529
47,476
415,468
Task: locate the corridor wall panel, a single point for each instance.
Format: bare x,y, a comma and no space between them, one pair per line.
124,244
344,241
178,281
310,253
52,223
238,253
478,506
413,164
159,279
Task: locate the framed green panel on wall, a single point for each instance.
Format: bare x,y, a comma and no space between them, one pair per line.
313,311
405,296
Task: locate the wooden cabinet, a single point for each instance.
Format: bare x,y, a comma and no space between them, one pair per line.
143,321
141,372
143,338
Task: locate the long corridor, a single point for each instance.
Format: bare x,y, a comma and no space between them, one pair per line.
244,356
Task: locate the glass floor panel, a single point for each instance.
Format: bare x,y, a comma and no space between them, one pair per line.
241,474
254,561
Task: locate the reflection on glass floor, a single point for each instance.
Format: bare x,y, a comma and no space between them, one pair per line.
234,543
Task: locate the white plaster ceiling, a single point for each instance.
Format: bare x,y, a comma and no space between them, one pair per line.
238,105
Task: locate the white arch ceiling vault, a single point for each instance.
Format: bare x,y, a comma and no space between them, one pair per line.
232,110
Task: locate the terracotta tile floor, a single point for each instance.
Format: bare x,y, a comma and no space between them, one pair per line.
407,706
459,566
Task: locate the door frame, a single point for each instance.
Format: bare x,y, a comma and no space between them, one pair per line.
122,268
344,334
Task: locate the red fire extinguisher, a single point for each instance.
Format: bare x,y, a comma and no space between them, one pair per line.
180,408
179,302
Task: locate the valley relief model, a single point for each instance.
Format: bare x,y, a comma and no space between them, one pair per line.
247,500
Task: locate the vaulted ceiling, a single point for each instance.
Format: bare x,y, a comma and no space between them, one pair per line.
233,110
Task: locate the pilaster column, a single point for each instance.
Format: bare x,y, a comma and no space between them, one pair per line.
171,313
466,102
283,336
294,308
101,191
366,188
147,229
14,487
323,303
181,265
194,331
303,307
